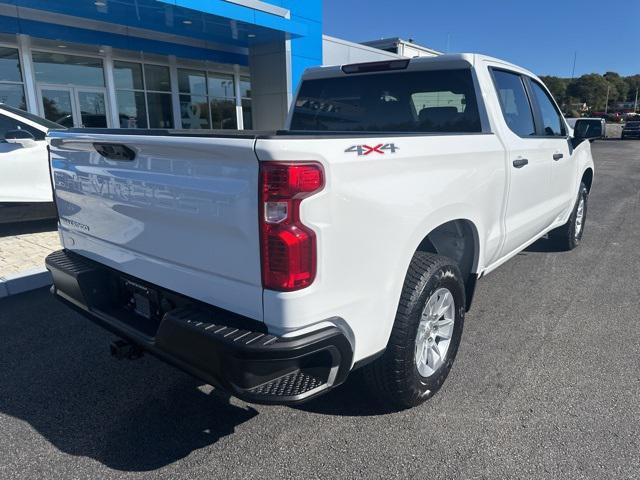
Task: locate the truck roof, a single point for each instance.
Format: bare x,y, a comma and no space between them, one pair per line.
453,60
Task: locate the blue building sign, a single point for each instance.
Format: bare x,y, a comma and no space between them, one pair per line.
157,63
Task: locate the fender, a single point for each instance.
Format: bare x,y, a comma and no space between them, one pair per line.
433,221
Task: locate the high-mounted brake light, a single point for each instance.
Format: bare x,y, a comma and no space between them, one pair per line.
376,66
288,247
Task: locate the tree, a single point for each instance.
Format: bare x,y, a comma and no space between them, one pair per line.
591,89
557,86
619,86
633,84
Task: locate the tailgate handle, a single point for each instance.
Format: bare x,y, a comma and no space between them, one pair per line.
115,151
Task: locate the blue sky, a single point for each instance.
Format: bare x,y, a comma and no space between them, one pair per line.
541,35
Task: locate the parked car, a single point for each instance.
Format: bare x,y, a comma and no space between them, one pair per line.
25,185
631,130
597,126
274,264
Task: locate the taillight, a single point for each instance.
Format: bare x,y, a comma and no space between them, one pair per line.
288,247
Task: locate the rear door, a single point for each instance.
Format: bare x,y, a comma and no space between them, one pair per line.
552,129
529,166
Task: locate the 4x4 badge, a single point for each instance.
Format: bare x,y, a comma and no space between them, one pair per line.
381,148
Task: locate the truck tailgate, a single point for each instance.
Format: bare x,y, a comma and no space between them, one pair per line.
182,214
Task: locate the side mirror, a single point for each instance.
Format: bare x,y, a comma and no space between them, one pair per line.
588,129
22,137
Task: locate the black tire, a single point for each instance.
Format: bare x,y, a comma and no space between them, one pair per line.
394,377
567,237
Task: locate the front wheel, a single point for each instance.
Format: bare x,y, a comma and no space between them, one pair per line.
425,335
569,235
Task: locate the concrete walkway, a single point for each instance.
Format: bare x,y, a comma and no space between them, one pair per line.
19,253
23,248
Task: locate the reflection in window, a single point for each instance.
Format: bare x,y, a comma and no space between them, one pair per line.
159,104
62,69
157,78
128,76
194,111
140,107
247,119
11,87
245,94
13,95
221,86
515,103
551,122
132,109
160,110
7,124
192,81
207,100
223,114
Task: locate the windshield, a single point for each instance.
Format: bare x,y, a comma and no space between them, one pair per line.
423,101
34,118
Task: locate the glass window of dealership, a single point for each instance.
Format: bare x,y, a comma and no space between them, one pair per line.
96,86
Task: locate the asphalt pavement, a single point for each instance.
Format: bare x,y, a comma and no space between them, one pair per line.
546,384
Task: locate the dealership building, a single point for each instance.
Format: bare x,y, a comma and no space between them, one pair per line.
196,64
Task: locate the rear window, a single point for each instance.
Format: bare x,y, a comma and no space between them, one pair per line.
410,102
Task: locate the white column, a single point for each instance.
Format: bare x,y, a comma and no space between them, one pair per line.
24,49
111,88
175,94
236,83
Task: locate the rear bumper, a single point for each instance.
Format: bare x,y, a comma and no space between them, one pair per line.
211,344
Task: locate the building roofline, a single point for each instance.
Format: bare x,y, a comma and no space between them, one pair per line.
393,41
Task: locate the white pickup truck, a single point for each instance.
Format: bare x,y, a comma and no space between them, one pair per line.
273,264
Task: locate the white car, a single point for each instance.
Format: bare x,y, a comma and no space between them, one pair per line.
25,184
273,264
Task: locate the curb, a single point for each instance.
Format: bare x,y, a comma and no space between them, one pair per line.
24,281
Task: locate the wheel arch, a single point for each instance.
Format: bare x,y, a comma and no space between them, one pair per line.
459,240
587,178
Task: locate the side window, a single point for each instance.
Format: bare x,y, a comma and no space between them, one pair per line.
515,103
8,123
551,120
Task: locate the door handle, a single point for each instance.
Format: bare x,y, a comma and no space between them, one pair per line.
520,162
557,156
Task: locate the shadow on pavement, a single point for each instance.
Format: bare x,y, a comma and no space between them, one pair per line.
57,375
21,228
351,399
543,245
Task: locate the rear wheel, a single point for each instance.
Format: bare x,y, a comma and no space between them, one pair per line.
569,235
425,335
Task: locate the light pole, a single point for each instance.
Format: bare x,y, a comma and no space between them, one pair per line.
606,105
635,104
